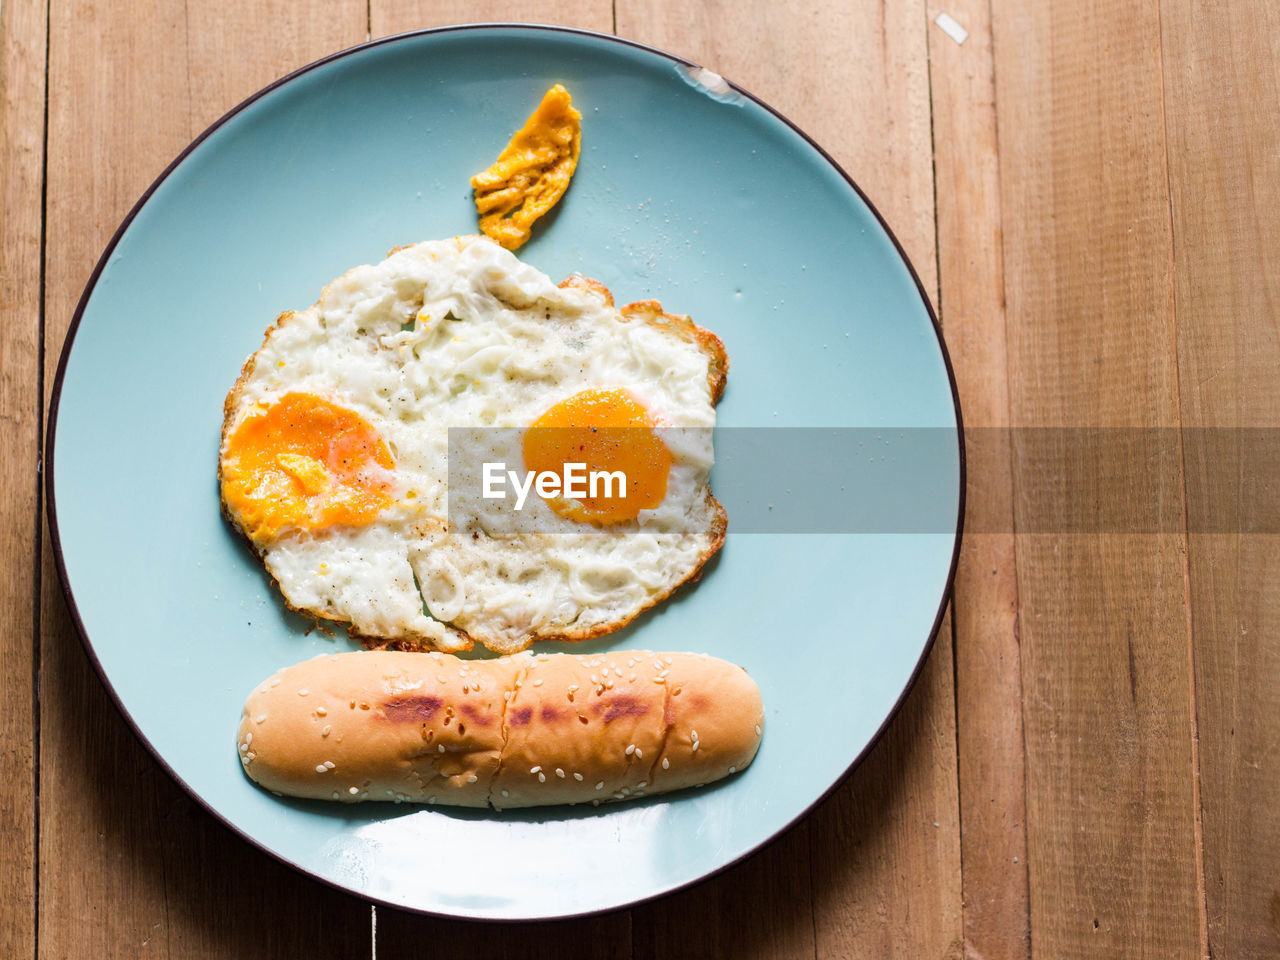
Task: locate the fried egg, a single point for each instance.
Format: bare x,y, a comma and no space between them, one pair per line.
336,446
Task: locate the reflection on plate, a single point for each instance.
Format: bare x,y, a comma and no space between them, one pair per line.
676,198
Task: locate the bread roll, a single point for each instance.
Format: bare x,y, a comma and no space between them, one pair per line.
520,731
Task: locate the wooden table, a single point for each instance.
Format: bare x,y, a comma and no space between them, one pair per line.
1089,765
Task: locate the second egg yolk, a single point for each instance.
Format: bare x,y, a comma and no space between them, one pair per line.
608,431
304,463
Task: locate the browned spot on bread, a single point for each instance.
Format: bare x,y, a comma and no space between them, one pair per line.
474,715
624,706
411,709
521,717
550,714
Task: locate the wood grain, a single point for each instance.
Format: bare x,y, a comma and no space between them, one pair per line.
22,75
398,16
129,864
402,936
1107,698
885,848
760,908
988,660
1222,95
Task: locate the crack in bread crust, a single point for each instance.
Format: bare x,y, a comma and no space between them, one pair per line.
505,729
666,733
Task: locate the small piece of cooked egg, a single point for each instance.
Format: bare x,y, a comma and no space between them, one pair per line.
532,172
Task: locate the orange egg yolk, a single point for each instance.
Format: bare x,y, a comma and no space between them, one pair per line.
608,431
304,463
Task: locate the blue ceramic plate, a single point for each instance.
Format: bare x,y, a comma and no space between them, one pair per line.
689,191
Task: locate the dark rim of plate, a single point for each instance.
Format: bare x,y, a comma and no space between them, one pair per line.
79,624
